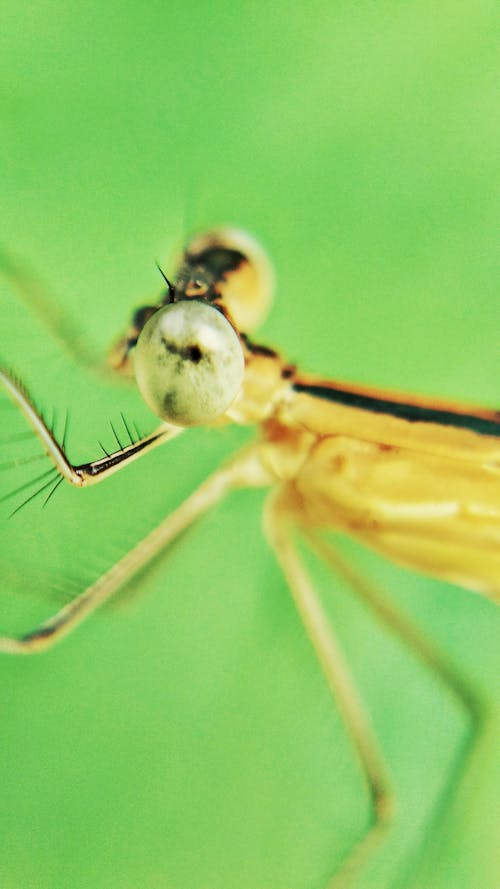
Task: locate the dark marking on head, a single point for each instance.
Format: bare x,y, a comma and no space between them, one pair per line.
219,260
191,353
257,349
141,315
202,273
130,344
170,404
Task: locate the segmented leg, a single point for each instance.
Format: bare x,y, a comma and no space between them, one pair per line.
430,656
278,527
243,471
85,473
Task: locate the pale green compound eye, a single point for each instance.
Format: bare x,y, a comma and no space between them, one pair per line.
189,363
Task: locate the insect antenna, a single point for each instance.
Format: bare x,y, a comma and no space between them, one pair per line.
171,288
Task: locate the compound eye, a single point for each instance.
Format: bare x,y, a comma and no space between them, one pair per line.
189,363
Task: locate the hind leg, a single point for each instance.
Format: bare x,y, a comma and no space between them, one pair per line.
279,522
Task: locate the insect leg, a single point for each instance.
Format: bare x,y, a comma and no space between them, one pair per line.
430,656
85,473
278,527
243,471
51,312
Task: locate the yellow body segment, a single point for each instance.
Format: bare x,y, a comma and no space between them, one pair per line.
327,418
434,514
423,494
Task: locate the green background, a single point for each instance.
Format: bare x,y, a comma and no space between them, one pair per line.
183,738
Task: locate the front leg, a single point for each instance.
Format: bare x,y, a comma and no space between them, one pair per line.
85,473
244,470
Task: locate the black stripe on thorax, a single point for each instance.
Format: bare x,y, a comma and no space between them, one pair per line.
411,412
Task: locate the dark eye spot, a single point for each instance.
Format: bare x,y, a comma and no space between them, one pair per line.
187,353
193,353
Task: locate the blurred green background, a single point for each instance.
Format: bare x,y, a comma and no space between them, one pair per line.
183,738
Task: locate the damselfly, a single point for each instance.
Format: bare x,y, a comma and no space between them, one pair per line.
416,479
